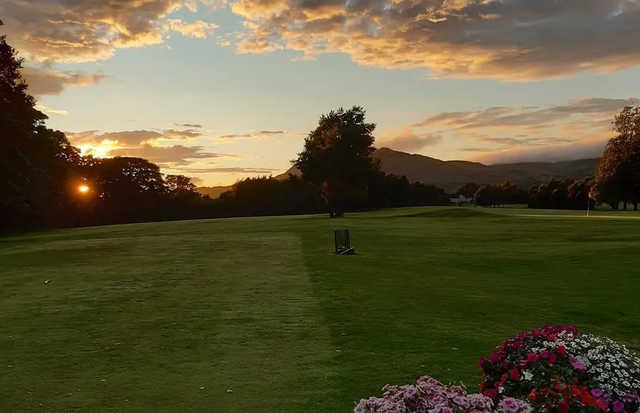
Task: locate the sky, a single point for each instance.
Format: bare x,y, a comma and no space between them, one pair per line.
219,90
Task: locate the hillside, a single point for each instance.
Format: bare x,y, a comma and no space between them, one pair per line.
450,175
213,191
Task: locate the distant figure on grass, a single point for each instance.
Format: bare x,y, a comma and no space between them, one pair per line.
337,157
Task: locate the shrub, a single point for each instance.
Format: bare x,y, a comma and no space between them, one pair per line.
428,395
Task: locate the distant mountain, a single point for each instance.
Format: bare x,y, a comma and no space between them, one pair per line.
450,175
213,191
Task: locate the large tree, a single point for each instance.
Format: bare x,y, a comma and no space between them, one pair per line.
618,175
337,157
35,162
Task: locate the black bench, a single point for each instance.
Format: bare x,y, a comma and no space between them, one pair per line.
342,242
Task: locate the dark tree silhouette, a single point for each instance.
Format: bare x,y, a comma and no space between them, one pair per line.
127,189
44,182
337,157
35,162
179,185
618,175
566,194
499,194
468,190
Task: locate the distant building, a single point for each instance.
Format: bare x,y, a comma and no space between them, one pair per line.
461,200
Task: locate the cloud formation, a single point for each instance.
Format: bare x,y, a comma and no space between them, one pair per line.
124,138
408,141
253,135
168,156
578,129
587,149
196,30
147,144
531,117
91,30
50,82
499,39
189,125
51,111
228,170
131,138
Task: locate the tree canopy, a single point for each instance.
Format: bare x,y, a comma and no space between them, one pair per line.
34,160
618,175
337,156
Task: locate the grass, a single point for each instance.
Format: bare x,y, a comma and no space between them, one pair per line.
257,314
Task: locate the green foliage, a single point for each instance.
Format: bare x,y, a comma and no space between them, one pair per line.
499,194
35,162
567,194
468,190
337,156
618,175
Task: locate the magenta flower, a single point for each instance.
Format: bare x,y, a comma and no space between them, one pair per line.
577,364
618,406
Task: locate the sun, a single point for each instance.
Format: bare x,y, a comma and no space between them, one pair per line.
83,189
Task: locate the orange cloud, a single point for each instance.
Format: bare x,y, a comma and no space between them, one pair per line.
168,156
51,82
516,40
408,141
196,30
578,129
91,30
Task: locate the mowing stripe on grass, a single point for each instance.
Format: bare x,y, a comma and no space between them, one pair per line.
197,320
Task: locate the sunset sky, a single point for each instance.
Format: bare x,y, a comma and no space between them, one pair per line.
219,90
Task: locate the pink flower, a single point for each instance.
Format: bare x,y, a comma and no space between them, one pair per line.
577,364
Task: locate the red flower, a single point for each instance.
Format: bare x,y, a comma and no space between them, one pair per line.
564,406
562,350
491,393
514,374
532,358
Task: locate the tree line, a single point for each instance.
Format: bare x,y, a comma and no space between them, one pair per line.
45,182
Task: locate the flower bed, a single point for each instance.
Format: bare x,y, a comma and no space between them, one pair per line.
559,369
553,369
428,395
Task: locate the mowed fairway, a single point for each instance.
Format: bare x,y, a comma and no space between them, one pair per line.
258,315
